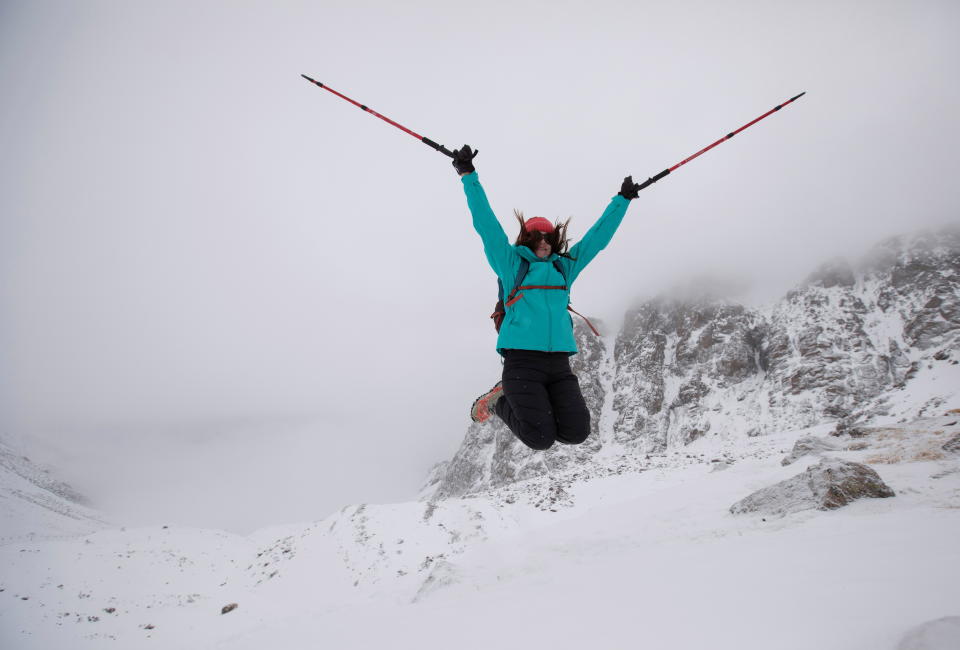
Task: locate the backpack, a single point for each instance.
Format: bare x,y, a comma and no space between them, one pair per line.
500,311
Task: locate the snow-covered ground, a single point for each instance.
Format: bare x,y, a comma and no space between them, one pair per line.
625,552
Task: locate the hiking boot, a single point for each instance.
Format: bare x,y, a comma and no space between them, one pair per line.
482,407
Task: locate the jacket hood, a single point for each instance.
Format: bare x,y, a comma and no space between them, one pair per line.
530,256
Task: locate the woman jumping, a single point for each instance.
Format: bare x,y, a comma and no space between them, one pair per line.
538,396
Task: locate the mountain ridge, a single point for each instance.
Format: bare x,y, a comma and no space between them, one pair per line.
678,369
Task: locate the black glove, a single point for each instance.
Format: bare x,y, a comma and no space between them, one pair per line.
629,190
463,160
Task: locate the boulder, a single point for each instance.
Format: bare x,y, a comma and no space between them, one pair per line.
828,485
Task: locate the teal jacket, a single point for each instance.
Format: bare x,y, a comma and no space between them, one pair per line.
537,319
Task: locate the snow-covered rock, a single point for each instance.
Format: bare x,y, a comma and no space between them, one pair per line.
828,485
810,446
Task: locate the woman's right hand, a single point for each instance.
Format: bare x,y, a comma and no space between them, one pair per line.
463,160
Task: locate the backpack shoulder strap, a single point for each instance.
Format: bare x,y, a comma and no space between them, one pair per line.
521,274
557,265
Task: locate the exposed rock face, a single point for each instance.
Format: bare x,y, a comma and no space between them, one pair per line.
684,368
917,279
825,351
670,357
818,346
828,485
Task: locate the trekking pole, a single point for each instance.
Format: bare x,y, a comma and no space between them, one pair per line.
651,181
425,140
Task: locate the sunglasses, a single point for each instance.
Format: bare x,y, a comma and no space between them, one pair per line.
537,235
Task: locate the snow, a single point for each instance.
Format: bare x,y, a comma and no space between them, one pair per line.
36,506
629,551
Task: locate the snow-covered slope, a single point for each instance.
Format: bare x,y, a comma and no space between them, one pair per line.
35,505
614,553
626,541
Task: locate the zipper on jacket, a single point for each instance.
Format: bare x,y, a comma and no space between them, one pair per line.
546,301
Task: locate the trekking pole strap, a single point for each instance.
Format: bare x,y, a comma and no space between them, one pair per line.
594,329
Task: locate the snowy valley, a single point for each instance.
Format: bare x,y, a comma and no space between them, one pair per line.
715,505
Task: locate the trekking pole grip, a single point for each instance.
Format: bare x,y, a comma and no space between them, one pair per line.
651,181
438,147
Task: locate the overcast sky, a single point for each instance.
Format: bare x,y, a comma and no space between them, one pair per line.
229,298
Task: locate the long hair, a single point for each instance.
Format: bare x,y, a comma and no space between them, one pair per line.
557,239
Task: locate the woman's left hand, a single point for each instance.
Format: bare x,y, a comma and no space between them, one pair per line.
629,190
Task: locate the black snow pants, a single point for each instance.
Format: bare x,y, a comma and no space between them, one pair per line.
542,402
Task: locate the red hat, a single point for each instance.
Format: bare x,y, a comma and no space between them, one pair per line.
538,223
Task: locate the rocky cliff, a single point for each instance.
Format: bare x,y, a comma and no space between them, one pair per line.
679,369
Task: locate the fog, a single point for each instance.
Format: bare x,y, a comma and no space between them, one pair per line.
229,298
